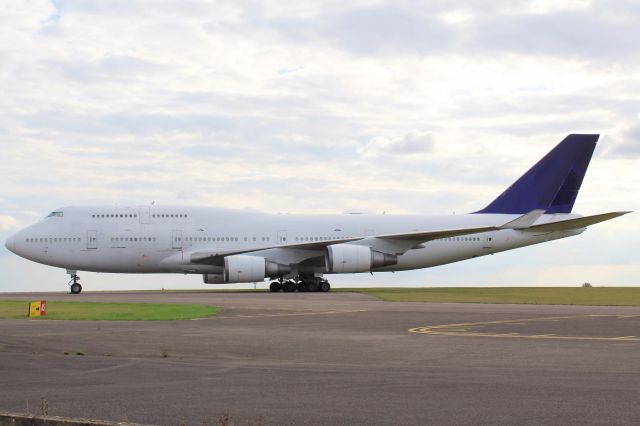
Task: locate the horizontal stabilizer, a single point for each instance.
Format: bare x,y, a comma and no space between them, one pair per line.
582,222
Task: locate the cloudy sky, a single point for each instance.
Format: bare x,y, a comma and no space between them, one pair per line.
320,106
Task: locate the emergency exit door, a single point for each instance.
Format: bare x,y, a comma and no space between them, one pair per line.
488,241
176,240
282,237
92,240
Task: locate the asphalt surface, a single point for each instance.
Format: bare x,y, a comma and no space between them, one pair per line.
337,358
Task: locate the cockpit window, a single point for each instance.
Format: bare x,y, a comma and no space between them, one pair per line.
56,214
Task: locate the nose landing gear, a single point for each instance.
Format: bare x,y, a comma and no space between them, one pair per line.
75,286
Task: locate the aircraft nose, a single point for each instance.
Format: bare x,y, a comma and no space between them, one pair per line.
11,243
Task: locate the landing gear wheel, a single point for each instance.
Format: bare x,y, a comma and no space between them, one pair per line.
274,287
76,288
325,287
312,286
302,287
289,286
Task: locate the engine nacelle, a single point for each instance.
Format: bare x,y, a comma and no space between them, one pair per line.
351,258
246,269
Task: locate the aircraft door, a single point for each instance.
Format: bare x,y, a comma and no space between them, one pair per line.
487,241
143,214
176,240
92,240
282,237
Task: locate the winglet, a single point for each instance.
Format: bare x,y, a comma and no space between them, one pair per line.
524,221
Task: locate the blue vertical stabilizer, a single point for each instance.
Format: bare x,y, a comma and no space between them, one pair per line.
553,183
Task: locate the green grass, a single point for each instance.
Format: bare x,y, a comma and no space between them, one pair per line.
600,296
109,311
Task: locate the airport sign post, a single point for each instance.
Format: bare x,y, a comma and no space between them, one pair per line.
37,309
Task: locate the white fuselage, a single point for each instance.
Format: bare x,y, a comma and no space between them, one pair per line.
155,239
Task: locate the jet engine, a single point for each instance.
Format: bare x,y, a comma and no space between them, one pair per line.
246,269
350,258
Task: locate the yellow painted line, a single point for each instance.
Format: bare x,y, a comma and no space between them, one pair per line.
292,314
513,321
534,336
460,329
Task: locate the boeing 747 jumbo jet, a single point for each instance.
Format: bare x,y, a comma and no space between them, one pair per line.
296,251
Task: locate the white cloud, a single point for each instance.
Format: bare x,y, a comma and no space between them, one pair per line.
8,223
409,144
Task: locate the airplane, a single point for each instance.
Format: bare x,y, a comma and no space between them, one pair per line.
296,252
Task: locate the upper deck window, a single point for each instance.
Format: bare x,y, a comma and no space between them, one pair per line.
56,214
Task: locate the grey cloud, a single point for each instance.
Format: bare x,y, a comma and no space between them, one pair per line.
386,29
543,127
127,123
548,104
108,68
127,8
383,28
628,145
402,28
583,34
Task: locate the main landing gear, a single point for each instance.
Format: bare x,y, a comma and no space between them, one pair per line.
302,284
75,286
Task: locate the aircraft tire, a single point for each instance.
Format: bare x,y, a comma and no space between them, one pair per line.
274,287
325,287
76,288
289,286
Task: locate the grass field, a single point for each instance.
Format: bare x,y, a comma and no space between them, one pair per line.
598,296
109,311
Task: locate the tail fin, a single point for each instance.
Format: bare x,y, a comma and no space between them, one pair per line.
553,183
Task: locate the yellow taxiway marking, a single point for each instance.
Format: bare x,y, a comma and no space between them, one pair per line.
462,329
293,314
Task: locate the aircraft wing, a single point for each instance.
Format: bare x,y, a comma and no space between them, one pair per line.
401,243
391,243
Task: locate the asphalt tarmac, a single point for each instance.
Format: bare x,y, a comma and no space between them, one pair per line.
337,358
